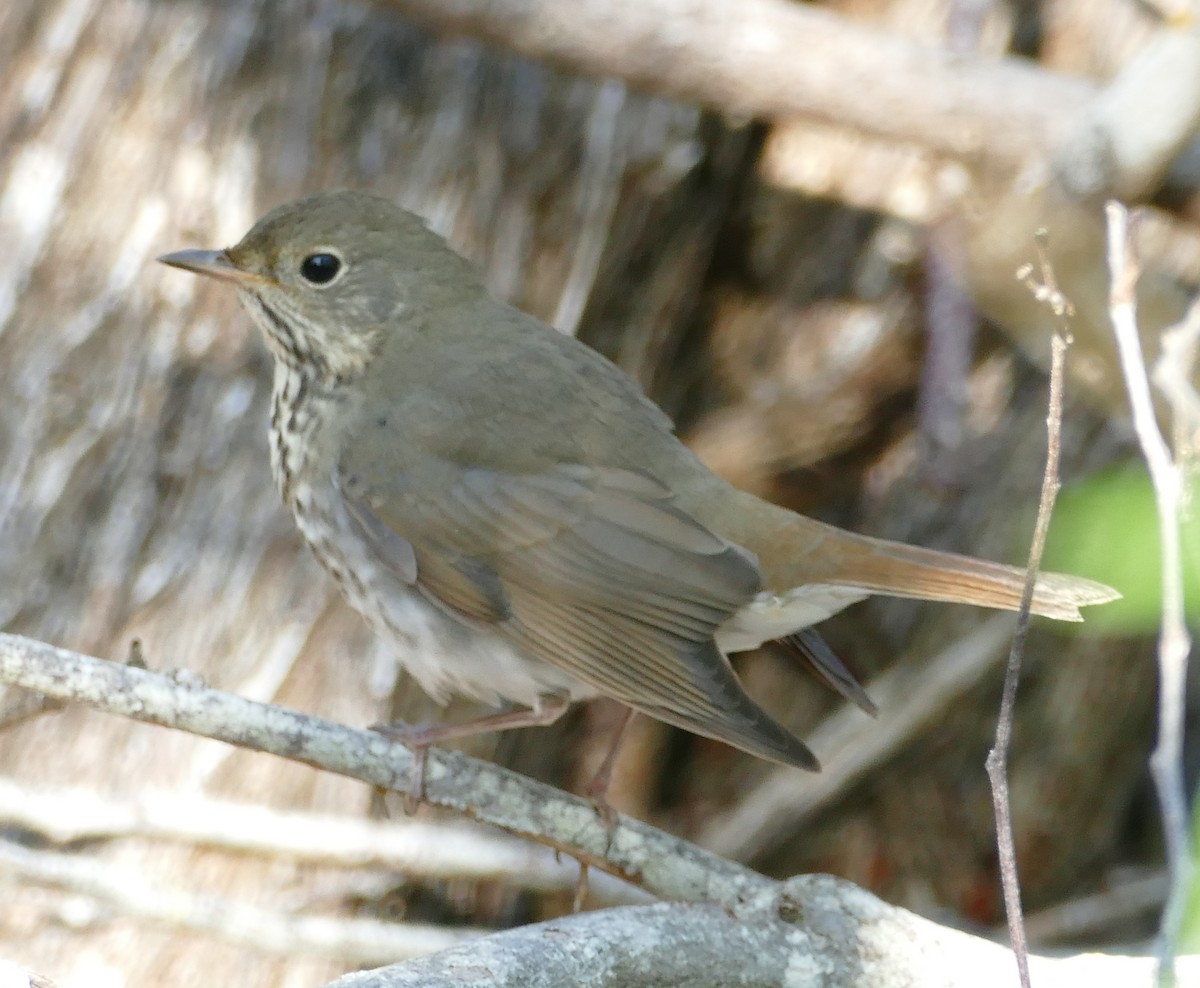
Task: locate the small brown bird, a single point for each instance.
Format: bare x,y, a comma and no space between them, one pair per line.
506,505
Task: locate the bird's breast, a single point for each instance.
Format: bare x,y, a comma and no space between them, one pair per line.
446,655
303,417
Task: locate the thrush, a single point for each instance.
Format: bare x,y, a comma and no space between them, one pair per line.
509,509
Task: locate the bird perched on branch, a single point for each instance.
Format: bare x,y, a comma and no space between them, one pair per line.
506,505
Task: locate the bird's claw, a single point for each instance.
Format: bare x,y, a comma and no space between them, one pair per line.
416,739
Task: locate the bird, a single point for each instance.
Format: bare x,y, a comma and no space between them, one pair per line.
507,508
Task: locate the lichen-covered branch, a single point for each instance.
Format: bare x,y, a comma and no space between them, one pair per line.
663,865
810,932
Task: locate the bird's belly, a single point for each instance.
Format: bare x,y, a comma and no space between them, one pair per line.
769,616
446,655
450,657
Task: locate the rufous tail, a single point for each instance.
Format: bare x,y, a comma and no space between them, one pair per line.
794,551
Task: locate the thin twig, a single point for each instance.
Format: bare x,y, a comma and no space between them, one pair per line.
1166,763
997,759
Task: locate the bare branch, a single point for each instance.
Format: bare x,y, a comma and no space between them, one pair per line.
1139,123
997,760
775,59
810,930
663,865
842,937
1174,643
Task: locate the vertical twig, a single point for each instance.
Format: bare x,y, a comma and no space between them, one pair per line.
997,760
1172,376
1166,763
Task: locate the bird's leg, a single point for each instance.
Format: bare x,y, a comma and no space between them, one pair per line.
418,739
597,792
581,888
597,789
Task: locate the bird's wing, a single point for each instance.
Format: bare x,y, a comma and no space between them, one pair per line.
593,570
823,662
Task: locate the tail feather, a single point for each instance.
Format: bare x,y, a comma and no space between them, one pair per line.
926,574
795,551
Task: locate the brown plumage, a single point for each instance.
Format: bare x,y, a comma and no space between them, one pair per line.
509,508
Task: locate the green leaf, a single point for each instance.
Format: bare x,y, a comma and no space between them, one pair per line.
1106,528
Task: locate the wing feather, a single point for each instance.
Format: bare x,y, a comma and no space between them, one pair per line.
595,571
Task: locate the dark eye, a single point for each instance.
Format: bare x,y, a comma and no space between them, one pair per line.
320,269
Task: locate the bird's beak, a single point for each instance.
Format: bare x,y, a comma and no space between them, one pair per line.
214,264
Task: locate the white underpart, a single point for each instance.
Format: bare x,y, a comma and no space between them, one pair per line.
447,656
769,616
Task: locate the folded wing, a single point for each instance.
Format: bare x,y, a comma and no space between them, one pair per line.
593,570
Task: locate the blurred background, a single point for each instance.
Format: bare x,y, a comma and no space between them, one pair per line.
828,308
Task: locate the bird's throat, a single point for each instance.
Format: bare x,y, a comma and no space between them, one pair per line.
302,412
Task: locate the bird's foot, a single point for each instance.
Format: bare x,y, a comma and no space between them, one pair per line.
597,793
421,737
417,739
597,789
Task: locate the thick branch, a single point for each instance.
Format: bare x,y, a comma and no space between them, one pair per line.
840,937
664,865
777,59
813,930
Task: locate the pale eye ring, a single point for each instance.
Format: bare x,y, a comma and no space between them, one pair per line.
320,268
